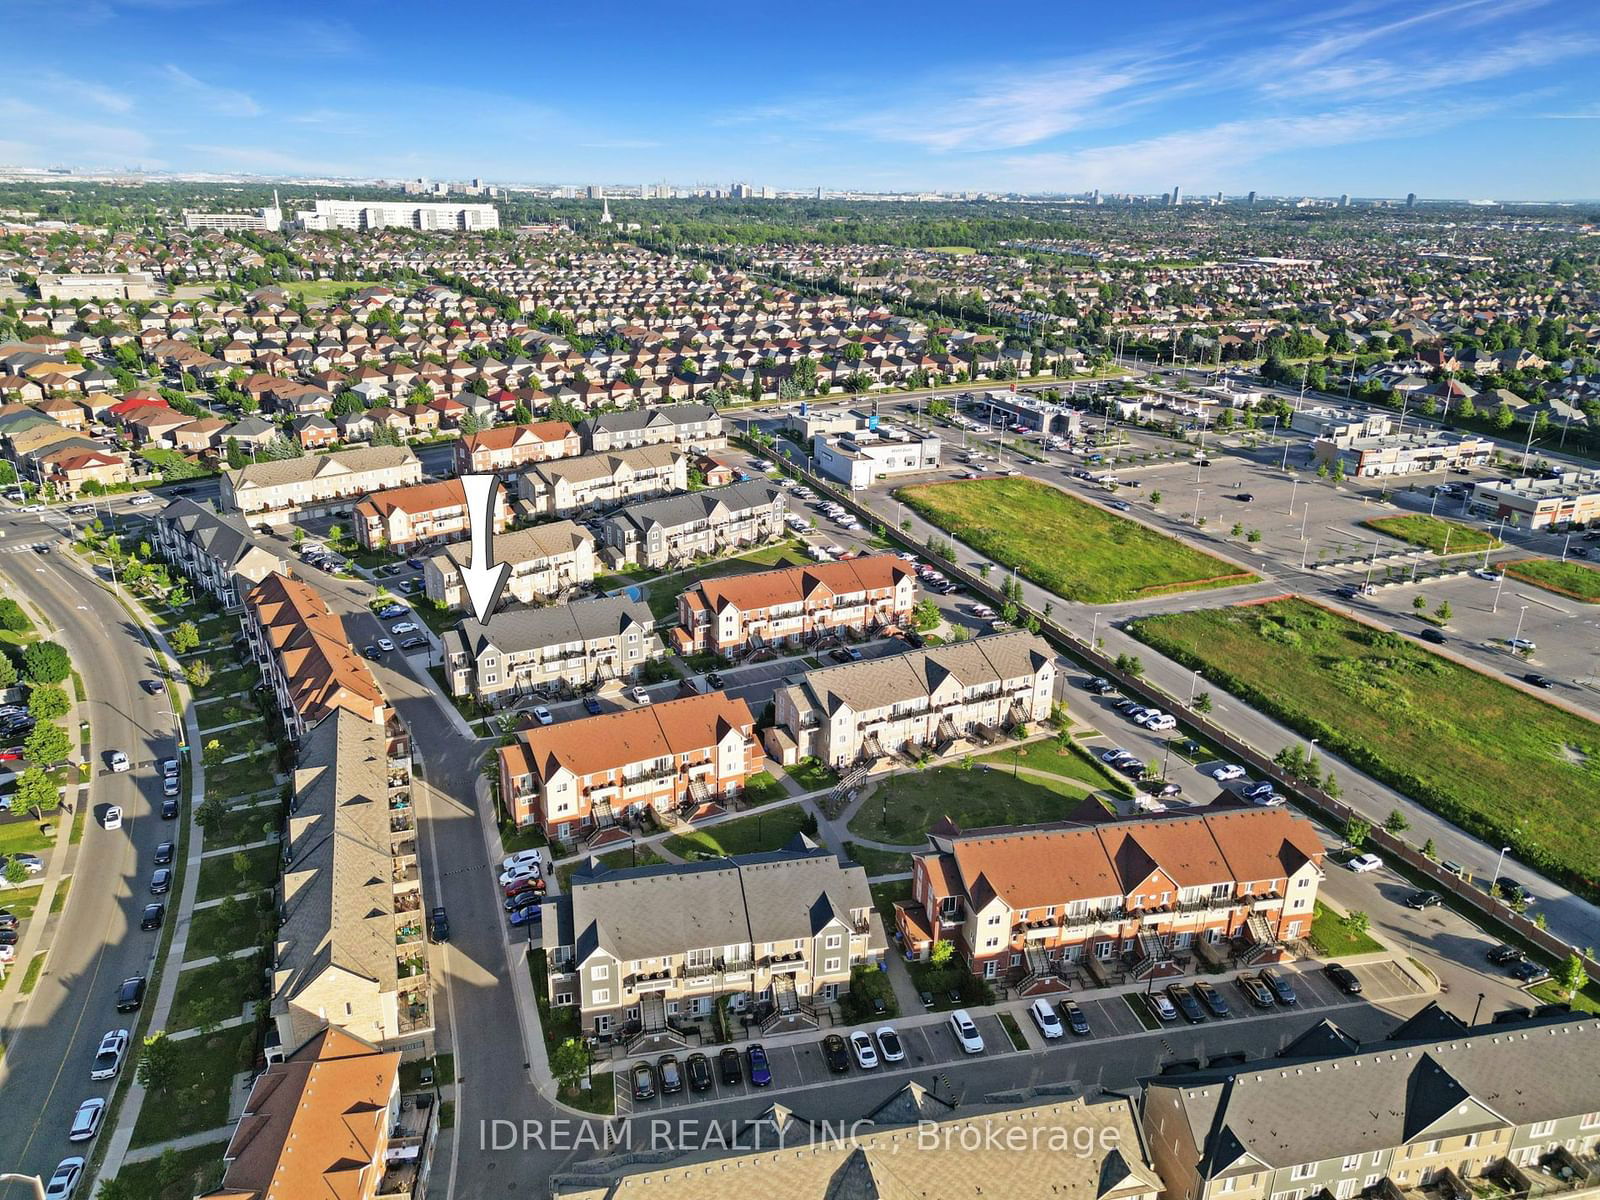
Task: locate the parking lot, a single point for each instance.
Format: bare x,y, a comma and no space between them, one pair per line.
929,1042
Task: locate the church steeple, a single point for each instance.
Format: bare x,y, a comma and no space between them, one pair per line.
605,211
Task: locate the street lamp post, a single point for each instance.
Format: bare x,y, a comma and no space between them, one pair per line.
1197,492
1292,489
1504,850
1498,588
1194,681
38,1184
1372,562
1476,1007
1522,612
1094,631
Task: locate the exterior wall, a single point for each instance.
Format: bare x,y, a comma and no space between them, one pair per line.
549,493
860,466
528,581
498,678
708,435
659,547
734,629
402,530
314,497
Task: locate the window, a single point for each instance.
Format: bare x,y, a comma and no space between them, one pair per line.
1543,1129
1351,1162
1303,1171
1345,1190
830,965
1590,1120
601,996
991,943
831,942
1016,960
562,999
599,973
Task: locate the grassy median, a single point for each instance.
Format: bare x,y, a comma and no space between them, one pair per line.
1434,534
1574,580
1489,757
1078,551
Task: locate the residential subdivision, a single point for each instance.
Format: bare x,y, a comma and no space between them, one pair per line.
546,563
577,779
523,652
1100,897
639,951
217,551
609,477
795,606
932,698
509,448
279,490
405,518
675,530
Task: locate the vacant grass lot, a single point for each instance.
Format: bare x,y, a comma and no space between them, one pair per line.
1574,580
1071,763
900,810
219,876
1434,533
1505,766
223,987
202,1081
1334,939
186,1173
771,829
1078,551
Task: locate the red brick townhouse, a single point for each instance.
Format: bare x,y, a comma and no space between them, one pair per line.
576,779
795,604
1032,903
508,447
403,517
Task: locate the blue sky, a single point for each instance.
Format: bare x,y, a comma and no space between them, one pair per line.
1462,98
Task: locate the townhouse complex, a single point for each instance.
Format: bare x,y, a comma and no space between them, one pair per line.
405,518
1033,905
532,651
568,485
687,425
545,563
578,778
217,551
278,491
636,949
508,448
932,698
794,605
675,530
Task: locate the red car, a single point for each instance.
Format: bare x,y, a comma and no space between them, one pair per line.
11,754
525,884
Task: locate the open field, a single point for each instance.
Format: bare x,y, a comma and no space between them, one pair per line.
1434,534
1575,580
1488,756
327,289
1077,550
900,810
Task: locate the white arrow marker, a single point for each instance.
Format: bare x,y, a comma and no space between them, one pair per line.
483,577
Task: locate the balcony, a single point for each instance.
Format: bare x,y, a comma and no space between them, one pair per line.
654,981
416,1015
406,876
409,934
412,967
787,964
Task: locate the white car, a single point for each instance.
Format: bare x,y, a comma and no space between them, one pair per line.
108,1058
141,500
890,1048
404,627
385,645
523,858
86,1121
967,1035
169,768
542,715
1162,723
640,695
1045,1018
63,1184
1269,800
1226,772
520,871
1519,643
1362,863
119,761
866,1053
1481,573
113,817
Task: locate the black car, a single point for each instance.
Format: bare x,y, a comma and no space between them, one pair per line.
836,1053
523,899
1343,978
670,1073
1256,992
1420,900
698,1068
729,1068
1434,636
1539,681
130,994
371,652
841,655
153,916
169,809
1513,890
164,854
1528,971
1246,497
9,919
644,1081
713,680
1501,955
183,490
1075,1018
161,881
153,686
1184,999
438,924
414,643
1130,767
1212,999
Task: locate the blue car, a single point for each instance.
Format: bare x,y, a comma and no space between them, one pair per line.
760,1072
531,915
591,706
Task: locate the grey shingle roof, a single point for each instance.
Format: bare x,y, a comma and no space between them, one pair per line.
525,545
223,536
671,512
880,682
276,472
642,418
516,630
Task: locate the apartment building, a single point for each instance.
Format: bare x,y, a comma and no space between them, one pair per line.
404,518
696,425
306,657
1505,1109
580,777
330,1120
609,477
1402,453
794,605
546,562
642,947
859,459
675,530
397,214
216,551
567,646
350,948
276,491
914,1144
90,285
1566,501
507,448
1032,904
926,698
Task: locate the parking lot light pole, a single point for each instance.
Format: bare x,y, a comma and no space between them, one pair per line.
1476,1007
1497,863
1194,681
1497,590
1197,492
1093,631
1372,562
1518,634
1292,489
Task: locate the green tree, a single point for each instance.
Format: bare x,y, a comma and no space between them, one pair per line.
15,873
8,670
1443,611
114,1189
1155,497
1202,702
184,637
211,812
210,1011
1419,602
1129,664
1238,529
12,618
926,614
46,702
36,793
197,672
1357,922
1429,850
45,662
1356,832
1253,536
47,745
1571,976
569,1062
158,1062
941,953
1396,821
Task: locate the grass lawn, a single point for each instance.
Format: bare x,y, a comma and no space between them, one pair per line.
327,289
1013,1031
885,894
901,810
1072,763
197,1098
1575,580
242,778
218,877
1503,765
812,774
1550,992
196,1172
242,739
1075,549
228,678
600,1098
1334,940
767,830
223,928
241,826
172,465
878,862
662,593
232,982
762,788
645,856
558,1024
1431,533
513,838
951,250
30,978
21,901
58,902
21,834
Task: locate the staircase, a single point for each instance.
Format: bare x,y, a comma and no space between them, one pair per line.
789,1012
1264,944
1153,958
1041,974
655,1033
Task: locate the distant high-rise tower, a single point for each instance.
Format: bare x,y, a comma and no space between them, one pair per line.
1250,199
819,193
1219,197
1177,195
596,192
1344,199
1095,199
1411,199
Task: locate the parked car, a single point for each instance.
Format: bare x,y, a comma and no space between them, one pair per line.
1343,978
698,1069
1420,900
385,645
108,1058
760,1070
1163,1007
967,1035
1363,863
1227,771
1280,987
542,715
169,787
670,1073
64,1180
161,881
865,1053
1522,644
640,696
728,1068
1075,1017
1186,1004
86,1121
1256,992
113,817
1045,1018
1212,999
439,924
153,915
31,863
890,1048
119,761
414,643
1528,971
644,1081
1434,636
404,627
1502,955
836,1054
1539,681
591,706
528,914
169,768
169,809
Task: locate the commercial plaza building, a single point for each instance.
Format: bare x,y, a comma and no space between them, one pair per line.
1363,457
1566,501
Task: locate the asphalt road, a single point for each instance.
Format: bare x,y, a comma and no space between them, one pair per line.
45,1073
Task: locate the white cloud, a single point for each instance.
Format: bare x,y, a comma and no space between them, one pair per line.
226,102
47,135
